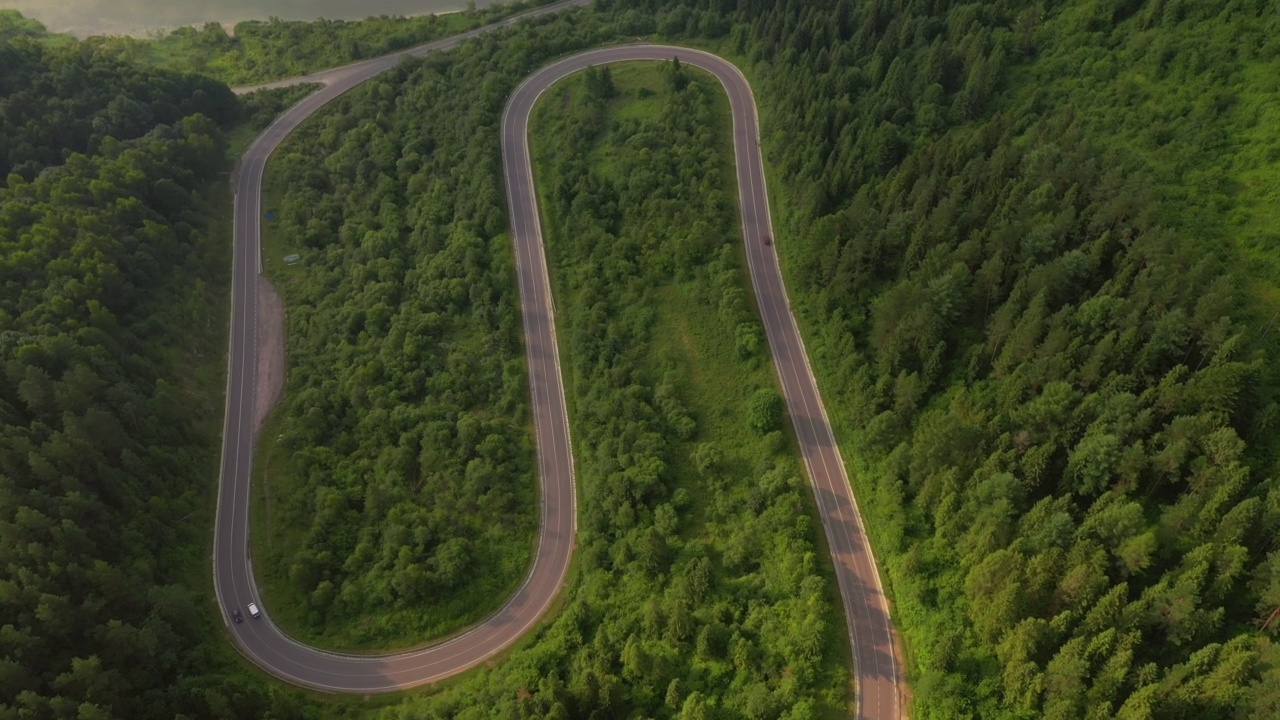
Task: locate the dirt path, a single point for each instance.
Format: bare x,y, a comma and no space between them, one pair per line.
270,352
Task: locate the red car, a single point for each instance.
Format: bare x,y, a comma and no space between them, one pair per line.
767,240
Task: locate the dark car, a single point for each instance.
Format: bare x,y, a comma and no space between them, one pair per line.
767,240
237,616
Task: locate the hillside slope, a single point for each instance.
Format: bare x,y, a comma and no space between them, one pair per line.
1033,245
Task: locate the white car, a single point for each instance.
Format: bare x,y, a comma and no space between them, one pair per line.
254,612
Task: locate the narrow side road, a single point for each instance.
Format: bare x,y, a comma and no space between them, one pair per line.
866,611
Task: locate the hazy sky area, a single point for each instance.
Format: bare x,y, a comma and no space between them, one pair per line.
136,17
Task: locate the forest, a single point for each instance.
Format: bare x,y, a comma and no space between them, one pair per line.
62,98
113,281
1031,247
1024,244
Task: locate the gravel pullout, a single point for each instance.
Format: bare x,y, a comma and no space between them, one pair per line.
270,383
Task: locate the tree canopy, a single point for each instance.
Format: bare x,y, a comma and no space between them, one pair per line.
60,98
412,505
108,271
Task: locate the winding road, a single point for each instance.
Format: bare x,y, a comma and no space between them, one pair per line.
871,633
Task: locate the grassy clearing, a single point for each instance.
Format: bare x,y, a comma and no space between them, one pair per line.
689,339
275,246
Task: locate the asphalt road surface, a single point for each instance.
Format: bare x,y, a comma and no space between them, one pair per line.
871,633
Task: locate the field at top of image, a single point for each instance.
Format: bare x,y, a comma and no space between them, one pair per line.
141,17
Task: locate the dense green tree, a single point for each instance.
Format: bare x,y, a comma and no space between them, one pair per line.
108,269
764,412
61,98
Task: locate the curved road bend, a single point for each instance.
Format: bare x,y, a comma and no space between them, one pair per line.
877,667
260,640
871,633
